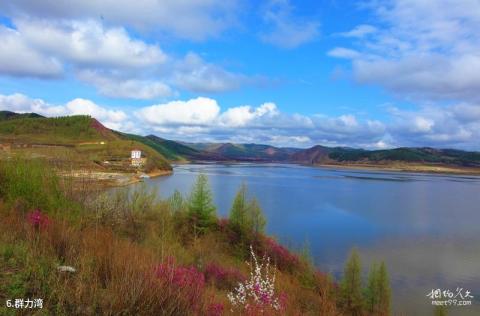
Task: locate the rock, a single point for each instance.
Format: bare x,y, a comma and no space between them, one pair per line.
66,269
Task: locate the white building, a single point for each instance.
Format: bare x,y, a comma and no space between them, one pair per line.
136,158
136,154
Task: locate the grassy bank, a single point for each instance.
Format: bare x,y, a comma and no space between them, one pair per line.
135,254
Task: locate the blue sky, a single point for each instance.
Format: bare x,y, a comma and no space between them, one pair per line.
372,74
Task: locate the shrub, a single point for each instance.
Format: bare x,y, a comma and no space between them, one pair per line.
281,256
223,278
215,309
189,281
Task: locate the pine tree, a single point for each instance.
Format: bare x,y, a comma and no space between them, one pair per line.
200,207
255,219
176,202
384,291
246,216
371,292
238,212
351,286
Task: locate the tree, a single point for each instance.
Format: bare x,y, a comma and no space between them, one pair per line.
378,293
351,285
255,219
200,207
238,212
371,292
246,216
176,202
384,291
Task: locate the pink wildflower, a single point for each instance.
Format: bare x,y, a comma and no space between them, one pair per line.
37,219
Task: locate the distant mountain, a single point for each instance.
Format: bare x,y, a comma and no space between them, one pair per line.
7,115
172,150
244,152
32,128
425,155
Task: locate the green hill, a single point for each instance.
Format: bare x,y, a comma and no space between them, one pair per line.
75,141
425,155
170,149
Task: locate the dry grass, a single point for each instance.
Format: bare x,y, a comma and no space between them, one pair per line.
116,245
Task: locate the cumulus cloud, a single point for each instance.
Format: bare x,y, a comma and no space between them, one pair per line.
427,50
108,58
203,120
194,74
287,31
192,19
194,112
115,86
456,126
88,43
17,58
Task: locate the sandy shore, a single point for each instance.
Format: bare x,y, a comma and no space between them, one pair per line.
399,167
110,179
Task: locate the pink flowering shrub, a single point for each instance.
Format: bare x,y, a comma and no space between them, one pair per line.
187,280
283,258
258,292
215,309
37,219
223,278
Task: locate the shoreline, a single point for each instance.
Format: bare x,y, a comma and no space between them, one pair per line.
425,169
398,167
111,179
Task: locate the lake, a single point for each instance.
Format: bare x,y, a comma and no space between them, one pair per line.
425,227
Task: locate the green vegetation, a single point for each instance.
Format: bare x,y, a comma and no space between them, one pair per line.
201,210
7,115
168,150
421,155
246,216
351,286
378,293
75,142
135,254
373,300
58,130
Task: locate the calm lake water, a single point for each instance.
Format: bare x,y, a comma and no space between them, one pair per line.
425,227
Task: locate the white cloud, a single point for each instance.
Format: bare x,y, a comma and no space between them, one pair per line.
195,112
360,31
108,58
117,87
341,52
446,126
202,120
245,115
17,58
287,31
192,19
89,44
427,50
194,74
